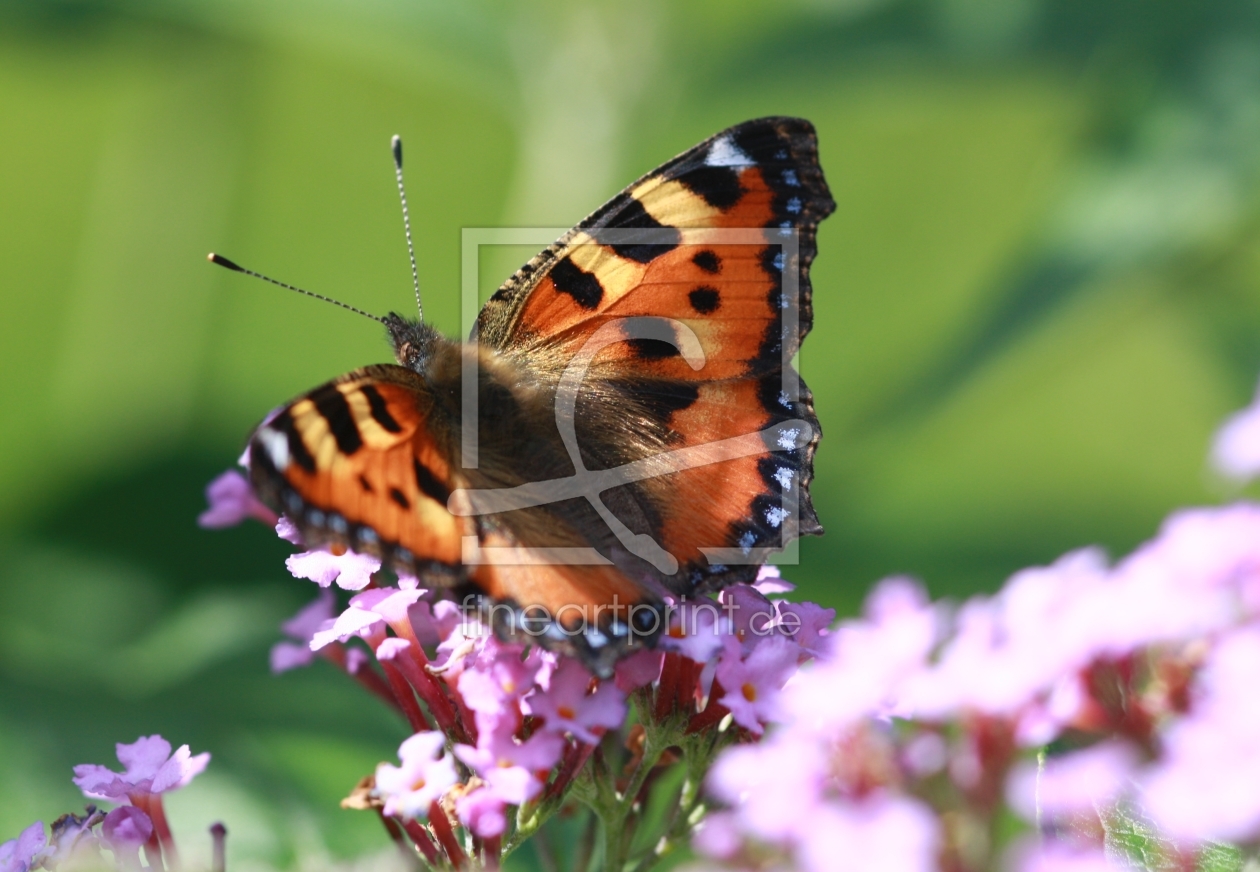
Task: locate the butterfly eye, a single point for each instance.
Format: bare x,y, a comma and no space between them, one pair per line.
404,351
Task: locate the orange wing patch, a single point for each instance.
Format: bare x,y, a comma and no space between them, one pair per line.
353,464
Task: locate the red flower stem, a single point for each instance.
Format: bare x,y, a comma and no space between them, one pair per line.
406,698
420,837
446,836
162,829
490,854
426,685
689,679
467,719
667,690
152,846
574,759
434,697
416,652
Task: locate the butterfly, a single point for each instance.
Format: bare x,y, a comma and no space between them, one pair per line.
623,428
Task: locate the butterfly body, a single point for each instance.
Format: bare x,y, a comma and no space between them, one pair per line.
639,430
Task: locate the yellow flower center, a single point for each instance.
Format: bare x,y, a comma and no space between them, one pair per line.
749,692
565,712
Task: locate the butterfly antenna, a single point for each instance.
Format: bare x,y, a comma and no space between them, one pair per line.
396,147
224,262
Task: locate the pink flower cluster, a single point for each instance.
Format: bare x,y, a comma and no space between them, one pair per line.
502,731
502,726
139,821
914,730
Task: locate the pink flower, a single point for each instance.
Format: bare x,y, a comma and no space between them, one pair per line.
367,615
312,618
1188,581
498,677
639,669
19,855
425,775
231,501
514,771
125,830
718,835
1009,650
807,624
151,769
769,581
1049,855
565,705
1077,782
288,531
772,786
696,630
880,833
869,661
753,682
351,571
1204,785
750,615
482,811
1236,449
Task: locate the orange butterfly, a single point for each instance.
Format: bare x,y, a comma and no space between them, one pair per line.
623,425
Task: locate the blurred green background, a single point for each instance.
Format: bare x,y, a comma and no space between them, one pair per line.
1038,297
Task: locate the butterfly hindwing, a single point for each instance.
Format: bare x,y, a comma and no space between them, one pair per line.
355,464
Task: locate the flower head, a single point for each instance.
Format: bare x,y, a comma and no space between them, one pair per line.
565,705
231,500
367,616
425,775
1236,450
695,630
483,812
753,682
513,771
19,855
301,628
125,830
350,570
150,769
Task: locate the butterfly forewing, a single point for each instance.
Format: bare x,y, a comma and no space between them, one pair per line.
729,220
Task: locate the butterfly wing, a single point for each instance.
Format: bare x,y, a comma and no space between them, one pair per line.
354,464
362,463
703,261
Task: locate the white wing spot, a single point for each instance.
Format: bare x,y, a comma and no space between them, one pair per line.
775,516
790,179
787,438
785,229
794,205
724,153
746,542
783,476
781,154
276,444
778,261
784,400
